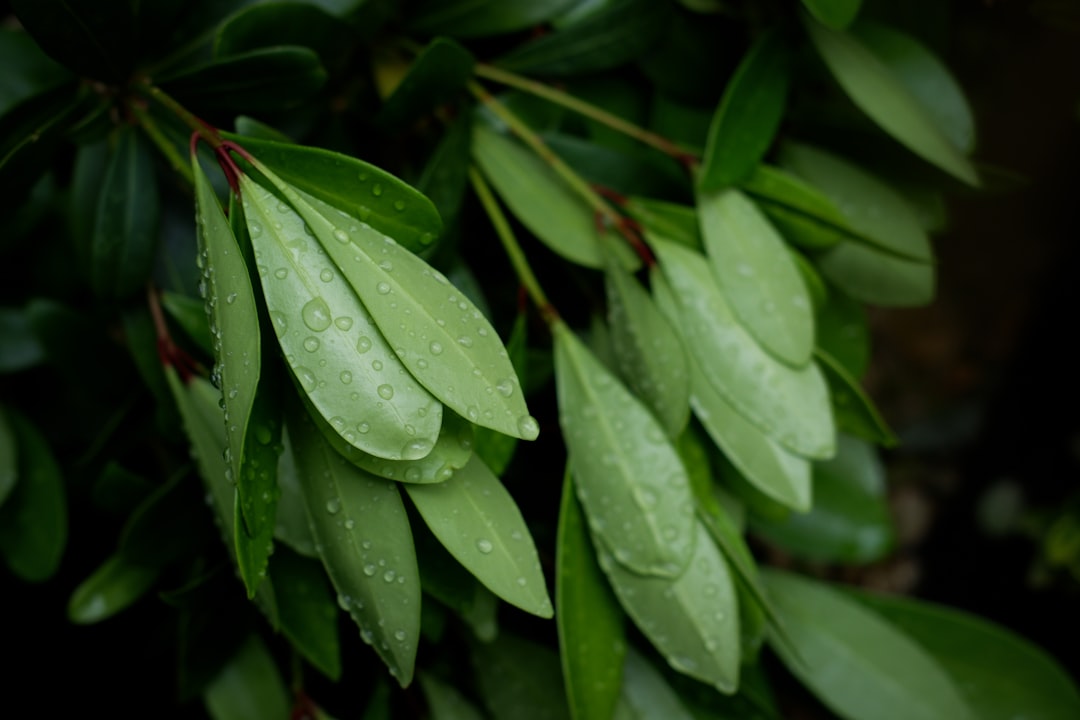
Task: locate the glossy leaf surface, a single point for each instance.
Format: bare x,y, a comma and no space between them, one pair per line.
692,620
757,275
877,92
592,642
857,664
495,448
438,73
125,235
477,520
360,389
628,475
791,405
748,116
854,410
115,585
363,536
477,18
802,213
307,610
1000,674
360,189
249,687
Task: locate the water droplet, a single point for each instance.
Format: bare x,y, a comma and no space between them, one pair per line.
340,235
350,524
346,377
427,238
255,229
376,365
233,393
389,576
399,205
376,189
343,323
528,427
316,314
522,582
333,505
344,601
465,341
484,545
435,348
400,635
363,344
311,344
230,298
307,378
281,273
473,412
505,387
385,392
387,266
383,288
413,474
415,449
363,428
326,275
370,569
422,364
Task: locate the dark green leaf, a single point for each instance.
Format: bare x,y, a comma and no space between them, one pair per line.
477,18
519,679
437,74
620,31
645,693
445,580
28,70
157,532
592,642
284,23
292,526
843,333
854,411
95,39
628,172
791,405
628,475
34,519
493,447
362,534
446,703
476,519
249,127
190,314
446,174
850,520
748,116
1001,675
837,14
249,687
856,663
111,588
9,457
307,610
877,91
19,347
262,80
757,275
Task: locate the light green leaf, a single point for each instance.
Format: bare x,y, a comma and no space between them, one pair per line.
1001,675
757,275
859,665
877,91
879,278
249,687
447,344
592,642
804,215
34,519
355,187
855,412
748,116
693,620
871,208
629,477
446,703
111,588
850,521
478,18
361,390
648,352
540,199
837,14
9,457
666,220
519,679
477,520
843,333
363,536
791,405
926,77
307,610
645,693
495,448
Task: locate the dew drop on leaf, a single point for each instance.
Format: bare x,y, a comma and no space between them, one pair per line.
484,545
386,392
363,344
316,314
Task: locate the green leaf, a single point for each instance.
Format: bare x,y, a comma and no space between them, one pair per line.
748,116
874,88
476,519
648,352
249,687
29,70
495,448
1000,674
478,18
292,527
307,610
190,314
815,284
9,457
445,580
157,532
284,23
850,521
355,187
125,235
19,347
692,620
667,221
879,278
843,333
539,198
645,693
249,127
446,703
363,537
359,389
790,405
758,277
264,80
34,519
437,75
837,14
446,173
617,32
630,479
854,411
95,39
925,77
111,588
448,345
857,664
803,214
629,172
519,679
592,641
